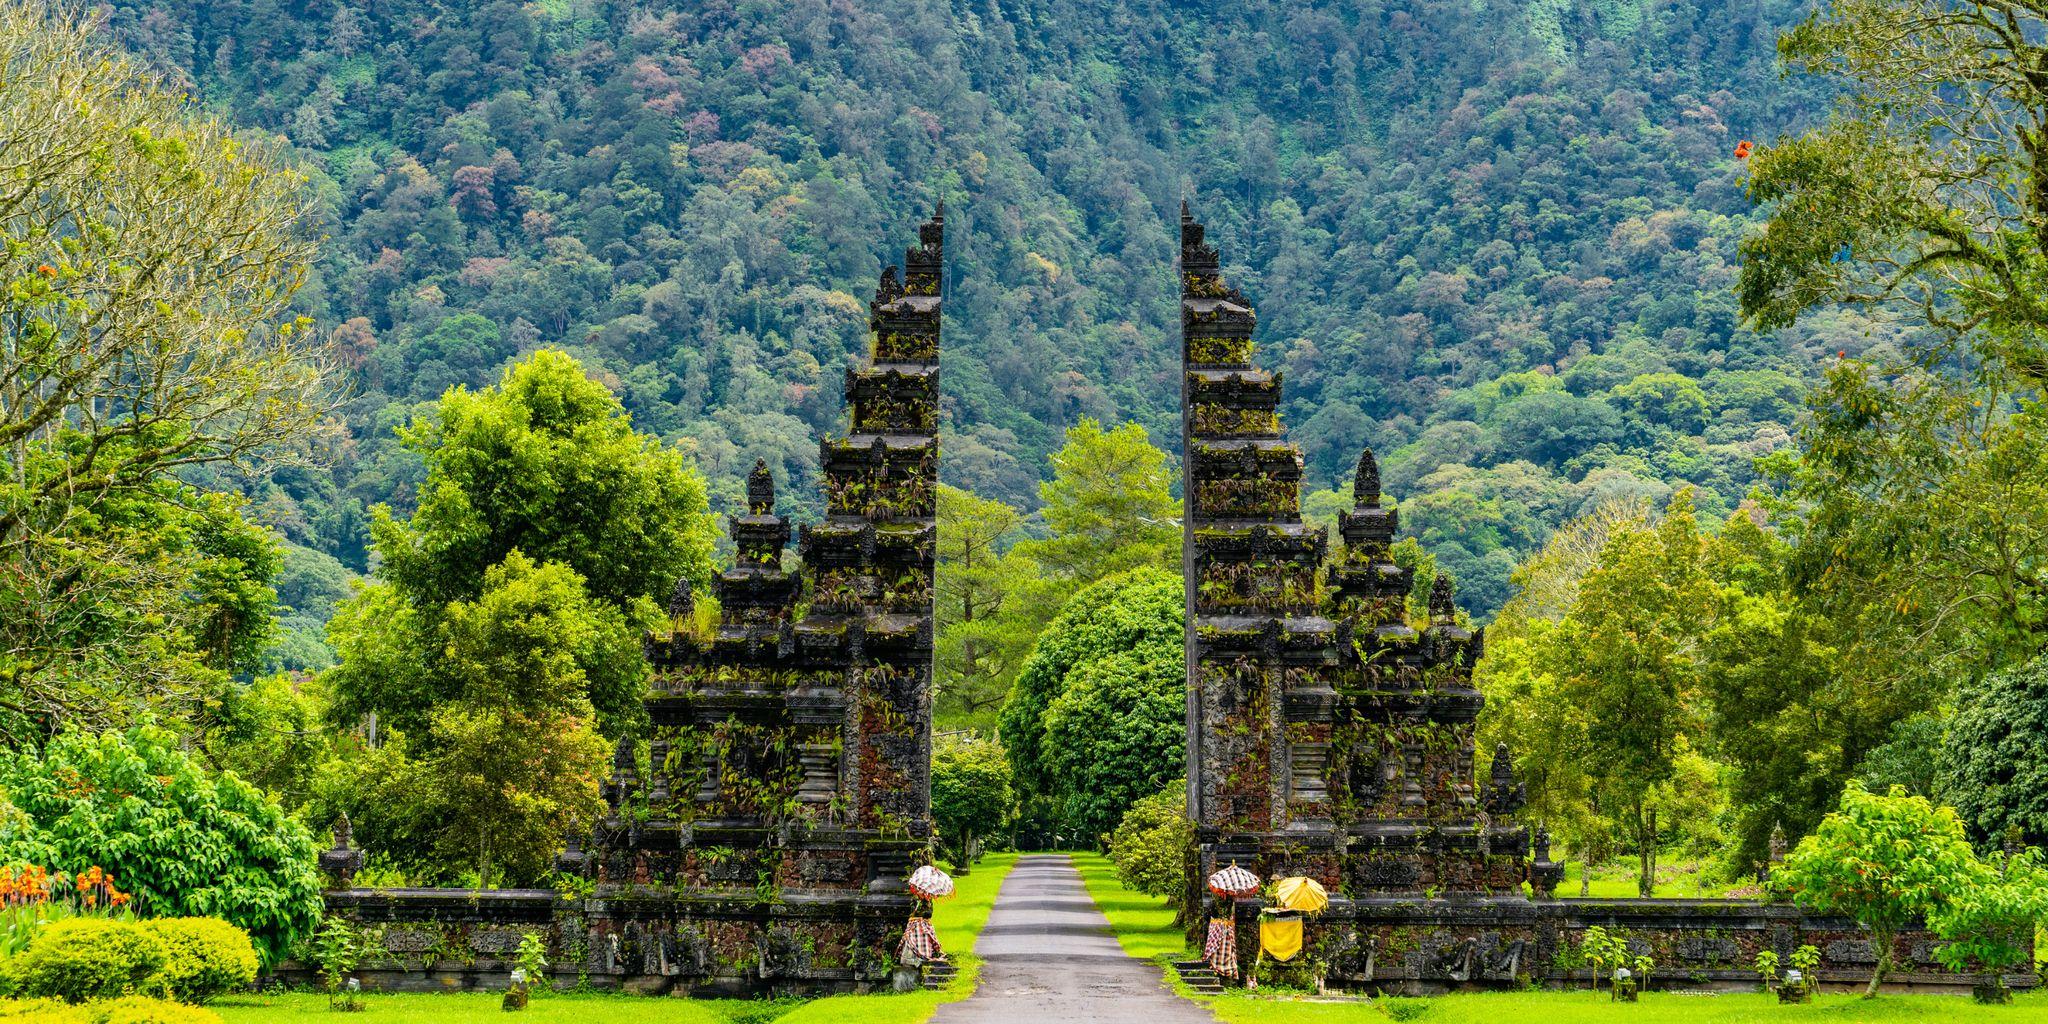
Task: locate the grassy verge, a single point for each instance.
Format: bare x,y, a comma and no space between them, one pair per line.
958,920
1143,924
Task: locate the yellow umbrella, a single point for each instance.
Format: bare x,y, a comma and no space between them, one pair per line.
1303,894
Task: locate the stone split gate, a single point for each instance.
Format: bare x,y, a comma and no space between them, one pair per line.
760,842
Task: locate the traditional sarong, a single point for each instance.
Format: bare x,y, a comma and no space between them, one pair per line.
1221,949
1280,937
920,943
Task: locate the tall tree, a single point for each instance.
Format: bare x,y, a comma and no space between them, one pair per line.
1109,506
546,465
981,640
1924,194
1134,620
146,335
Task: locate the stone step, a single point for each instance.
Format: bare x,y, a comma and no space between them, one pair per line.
939,975
1199,977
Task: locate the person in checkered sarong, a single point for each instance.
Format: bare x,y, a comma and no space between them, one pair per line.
1221,949
920,944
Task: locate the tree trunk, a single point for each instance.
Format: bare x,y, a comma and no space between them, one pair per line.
1646,852
1883,941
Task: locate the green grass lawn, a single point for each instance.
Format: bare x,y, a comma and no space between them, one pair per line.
1680,880
958,921
1143,924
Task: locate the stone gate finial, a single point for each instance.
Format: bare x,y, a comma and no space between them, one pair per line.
761,490
890,288
1441,608
1365,487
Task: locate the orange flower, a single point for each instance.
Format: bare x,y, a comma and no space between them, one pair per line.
47,270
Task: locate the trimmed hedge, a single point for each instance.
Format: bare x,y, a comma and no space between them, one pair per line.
88,958
85,958
205,957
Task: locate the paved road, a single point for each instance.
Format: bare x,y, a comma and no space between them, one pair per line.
1048,958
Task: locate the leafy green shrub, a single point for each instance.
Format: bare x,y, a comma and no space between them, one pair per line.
204,957
1150,846
971,794
185,842
1884,860
87,958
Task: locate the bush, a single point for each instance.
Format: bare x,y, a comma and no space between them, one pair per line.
204,957
87,958
184,841
1150,846
971,794
43,1011
142,1010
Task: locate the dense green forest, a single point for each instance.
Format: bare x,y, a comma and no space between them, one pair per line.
1493,240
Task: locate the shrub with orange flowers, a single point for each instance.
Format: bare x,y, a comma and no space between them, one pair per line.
132,812
32,896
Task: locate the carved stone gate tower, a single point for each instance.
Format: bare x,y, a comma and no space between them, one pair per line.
1327,736
785,792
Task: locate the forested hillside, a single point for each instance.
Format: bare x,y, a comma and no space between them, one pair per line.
1492,239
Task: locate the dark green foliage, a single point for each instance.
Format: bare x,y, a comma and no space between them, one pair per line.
1994,760
85,958
203,957
185,842
1102,675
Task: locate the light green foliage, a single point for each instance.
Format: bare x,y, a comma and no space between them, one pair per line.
548,465
273,733
336,950
511,761
532,957
1991,926
1109,506
88,958
143,1010
1885,861
148,261
203,957
971,794
1767,966
1994,759
1151,844
125,1010
1124,636
185,842
1606,692
983,632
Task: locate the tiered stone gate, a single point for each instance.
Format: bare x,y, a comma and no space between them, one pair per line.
1329,737
759,843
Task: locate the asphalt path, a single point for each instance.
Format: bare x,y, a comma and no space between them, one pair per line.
1048,958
